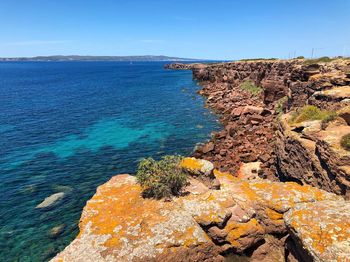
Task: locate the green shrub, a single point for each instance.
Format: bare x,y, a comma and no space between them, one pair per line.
280,104
329,116
308,113
324,59
161,178
258,59
345,142
301,57
251,87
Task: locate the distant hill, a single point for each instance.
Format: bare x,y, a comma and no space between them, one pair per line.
99,58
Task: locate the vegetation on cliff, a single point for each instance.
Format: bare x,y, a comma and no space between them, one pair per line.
250,87
162,178
310,112
345,142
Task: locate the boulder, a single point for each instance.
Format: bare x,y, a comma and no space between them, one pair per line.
202,170
249,170
252,110
57,231
197,167
51,200
208,147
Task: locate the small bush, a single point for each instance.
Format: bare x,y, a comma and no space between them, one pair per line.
251,87
162,178
301,57
345,142
258,59
280,105
308,113
324,59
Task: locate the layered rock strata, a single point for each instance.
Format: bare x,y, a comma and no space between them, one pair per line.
253,131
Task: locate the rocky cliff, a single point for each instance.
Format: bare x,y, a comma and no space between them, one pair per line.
232,212
257,131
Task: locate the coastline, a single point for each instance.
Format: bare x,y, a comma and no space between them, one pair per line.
254,128
244,213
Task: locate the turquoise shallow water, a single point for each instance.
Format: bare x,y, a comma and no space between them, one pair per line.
70,126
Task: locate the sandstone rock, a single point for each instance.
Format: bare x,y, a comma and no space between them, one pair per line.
335,93
345,113
273,90
195,187
190,228
252,110
51,200
208,147
202,169
313,156
237,111
249,170
321,229
271,250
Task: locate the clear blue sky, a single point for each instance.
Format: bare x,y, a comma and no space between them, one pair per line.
213,29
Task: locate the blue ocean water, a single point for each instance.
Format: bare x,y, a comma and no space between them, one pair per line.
70,126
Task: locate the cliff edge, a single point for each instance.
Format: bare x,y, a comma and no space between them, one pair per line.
276,181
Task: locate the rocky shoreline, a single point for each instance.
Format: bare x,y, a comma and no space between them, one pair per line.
265,196
257,128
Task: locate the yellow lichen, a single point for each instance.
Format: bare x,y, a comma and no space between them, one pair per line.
272,214
237,230
191,163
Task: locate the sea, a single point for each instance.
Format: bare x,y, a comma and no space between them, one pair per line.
70,126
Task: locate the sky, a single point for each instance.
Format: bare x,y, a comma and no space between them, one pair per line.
207,29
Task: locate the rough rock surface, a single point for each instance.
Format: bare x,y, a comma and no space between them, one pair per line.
308,154
117,224
252,131
321,230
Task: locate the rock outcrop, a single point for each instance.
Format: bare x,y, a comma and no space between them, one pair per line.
320,230
254,133
309,155
249,218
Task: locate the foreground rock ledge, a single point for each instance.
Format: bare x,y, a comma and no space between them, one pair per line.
117,224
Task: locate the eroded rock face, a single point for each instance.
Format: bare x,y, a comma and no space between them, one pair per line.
252,130
308,154
117,224
249,119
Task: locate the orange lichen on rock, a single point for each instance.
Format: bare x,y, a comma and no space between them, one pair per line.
273,215
191,163
118,224
238,231
323,228
197,166
225,177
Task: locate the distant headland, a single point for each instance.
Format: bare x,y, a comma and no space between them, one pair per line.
98,58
